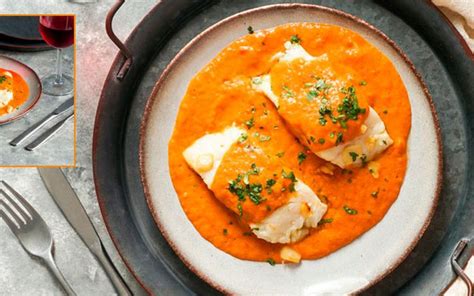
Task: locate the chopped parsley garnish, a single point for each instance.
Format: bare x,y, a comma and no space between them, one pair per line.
363,158
339,138
257,80
243,137
321,141
349,210
250,30
312,139
264,138
301,157
280,154
292,178
348,109
295,39
239,209
353,155
331,135
288,93
325,221
350,105
271,261
242,188
311,95
374,194
3,78
250,123
322,121
363,83
268,186
224,231
321,85
385,111
385,142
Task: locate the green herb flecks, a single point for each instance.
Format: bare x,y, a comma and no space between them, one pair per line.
290,176
349,210
269,185
287,92
339,138
271,261
239,209
353,156
243,137
3,78
250,30
243,188
325,221
280,154
301,157
250,123
295,39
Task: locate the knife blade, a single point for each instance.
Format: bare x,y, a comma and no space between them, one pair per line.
62,108
67,200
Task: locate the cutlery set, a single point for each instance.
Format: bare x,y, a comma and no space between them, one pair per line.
35,236
65,110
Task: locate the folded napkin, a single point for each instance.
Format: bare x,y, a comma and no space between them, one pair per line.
461,14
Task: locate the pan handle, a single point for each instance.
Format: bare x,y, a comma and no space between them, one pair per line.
123,49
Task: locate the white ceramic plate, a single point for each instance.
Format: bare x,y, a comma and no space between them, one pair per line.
352,268
34,85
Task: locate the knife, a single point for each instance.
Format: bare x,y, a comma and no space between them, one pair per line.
62,108
67,200
48,134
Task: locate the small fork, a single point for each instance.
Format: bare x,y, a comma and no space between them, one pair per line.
31,231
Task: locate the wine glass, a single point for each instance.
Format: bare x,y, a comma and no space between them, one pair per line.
57,31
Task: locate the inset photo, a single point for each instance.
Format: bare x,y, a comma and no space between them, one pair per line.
37,90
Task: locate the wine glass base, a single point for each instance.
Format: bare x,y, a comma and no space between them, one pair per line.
53,88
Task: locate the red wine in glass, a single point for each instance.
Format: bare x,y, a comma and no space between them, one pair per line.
57,31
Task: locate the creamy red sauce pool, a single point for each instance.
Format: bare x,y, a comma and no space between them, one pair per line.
221,95
18,86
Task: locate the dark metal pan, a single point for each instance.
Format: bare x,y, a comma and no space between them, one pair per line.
439,55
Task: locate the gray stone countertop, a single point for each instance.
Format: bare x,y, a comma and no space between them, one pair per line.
59,150
19,273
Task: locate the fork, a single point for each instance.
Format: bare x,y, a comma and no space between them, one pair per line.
31,231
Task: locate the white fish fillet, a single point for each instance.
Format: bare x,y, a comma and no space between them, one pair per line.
373,142
367,146
6,94
287,223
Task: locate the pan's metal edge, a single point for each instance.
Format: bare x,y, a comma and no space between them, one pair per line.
152,97
95,144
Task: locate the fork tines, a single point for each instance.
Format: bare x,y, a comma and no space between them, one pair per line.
17,211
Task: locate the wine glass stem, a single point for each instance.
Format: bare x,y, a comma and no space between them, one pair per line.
59,67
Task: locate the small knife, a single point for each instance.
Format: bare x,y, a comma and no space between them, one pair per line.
48,134
62,108
67,200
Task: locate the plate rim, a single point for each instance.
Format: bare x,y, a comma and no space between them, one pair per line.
36,99
153,96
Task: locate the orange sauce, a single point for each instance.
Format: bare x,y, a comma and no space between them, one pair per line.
20,91
221,94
